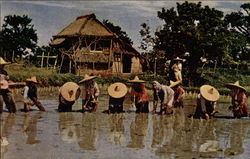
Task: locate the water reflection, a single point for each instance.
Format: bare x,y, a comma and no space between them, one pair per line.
88,131
30,127
6,130
238,133
116,134
127,135
138,131
164,135
67,127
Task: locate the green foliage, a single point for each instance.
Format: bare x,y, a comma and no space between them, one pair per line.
18,34
239,21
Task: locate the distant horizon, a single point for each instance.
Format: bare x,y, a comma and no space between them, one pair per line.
50,17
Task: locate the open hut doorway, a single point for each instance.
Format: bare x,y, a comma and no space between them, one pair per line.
126,60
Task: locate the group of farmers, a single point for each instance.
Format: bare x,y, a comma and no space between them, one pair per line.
170,96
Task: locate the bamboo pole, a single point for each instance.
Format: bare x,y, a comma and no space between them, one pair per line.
69,65
48,61
42,60
55,63
61,63
110,53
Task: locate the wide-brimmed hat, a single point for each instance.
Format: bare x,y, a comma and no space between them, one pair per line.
136,80
235,85
178,59
86,78
209,93
70,91
3,62
117,90
172,83
32,79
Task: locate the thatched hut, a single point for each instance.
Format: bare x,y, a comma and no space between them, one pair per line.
88,46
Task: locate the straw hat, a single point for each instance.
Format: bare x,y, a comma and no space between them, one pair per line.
172,83
32,79
86,78
3,62
70,91
117,90
178,59
235,85
209,93
136,80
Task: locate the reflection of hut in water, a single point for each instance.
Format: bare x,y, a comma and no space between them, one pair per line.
88,46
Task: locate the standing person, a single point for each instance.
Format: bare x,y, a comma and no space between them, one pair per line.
30,92
69,93
5,94
206,102
179,93
177,68
90,93
139,95
166,96
239,100
117,92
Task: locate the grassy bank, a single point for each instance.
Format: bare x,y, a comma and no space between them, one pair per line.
217,78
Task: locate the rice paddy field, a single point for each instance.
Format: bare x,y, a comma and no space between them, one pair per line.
75,135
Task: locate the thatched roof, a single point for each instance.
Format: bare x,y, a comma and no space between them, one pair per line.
57,41
86,25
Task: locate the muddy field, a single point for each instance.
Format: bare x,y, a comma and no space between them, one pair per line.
53,135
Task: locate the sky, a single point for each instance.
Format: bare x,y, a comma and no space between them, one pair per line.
50,17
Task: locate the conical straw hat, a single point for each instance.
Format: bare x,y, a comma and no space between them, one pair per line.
117,90
3,62
172,83
86,78
178,59
70,91
235,85
136,80
32,79
209,93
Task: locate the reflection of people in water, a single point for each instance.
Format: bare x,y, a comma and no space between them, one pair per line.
138,131
162,132
5,131
88,132
117,129
30,127
179,121
238,133
67,127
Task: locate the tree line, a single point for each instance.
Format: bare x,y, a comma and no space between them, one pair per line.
197,33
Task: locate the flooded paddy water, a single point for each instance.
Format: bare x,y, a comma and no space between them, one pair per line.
75,135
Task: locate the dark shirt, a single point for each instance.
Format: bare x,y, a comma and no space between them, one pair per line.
32,93
3,72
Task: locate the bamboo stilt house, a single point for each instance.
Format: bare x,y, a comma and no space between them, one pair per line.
88,46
